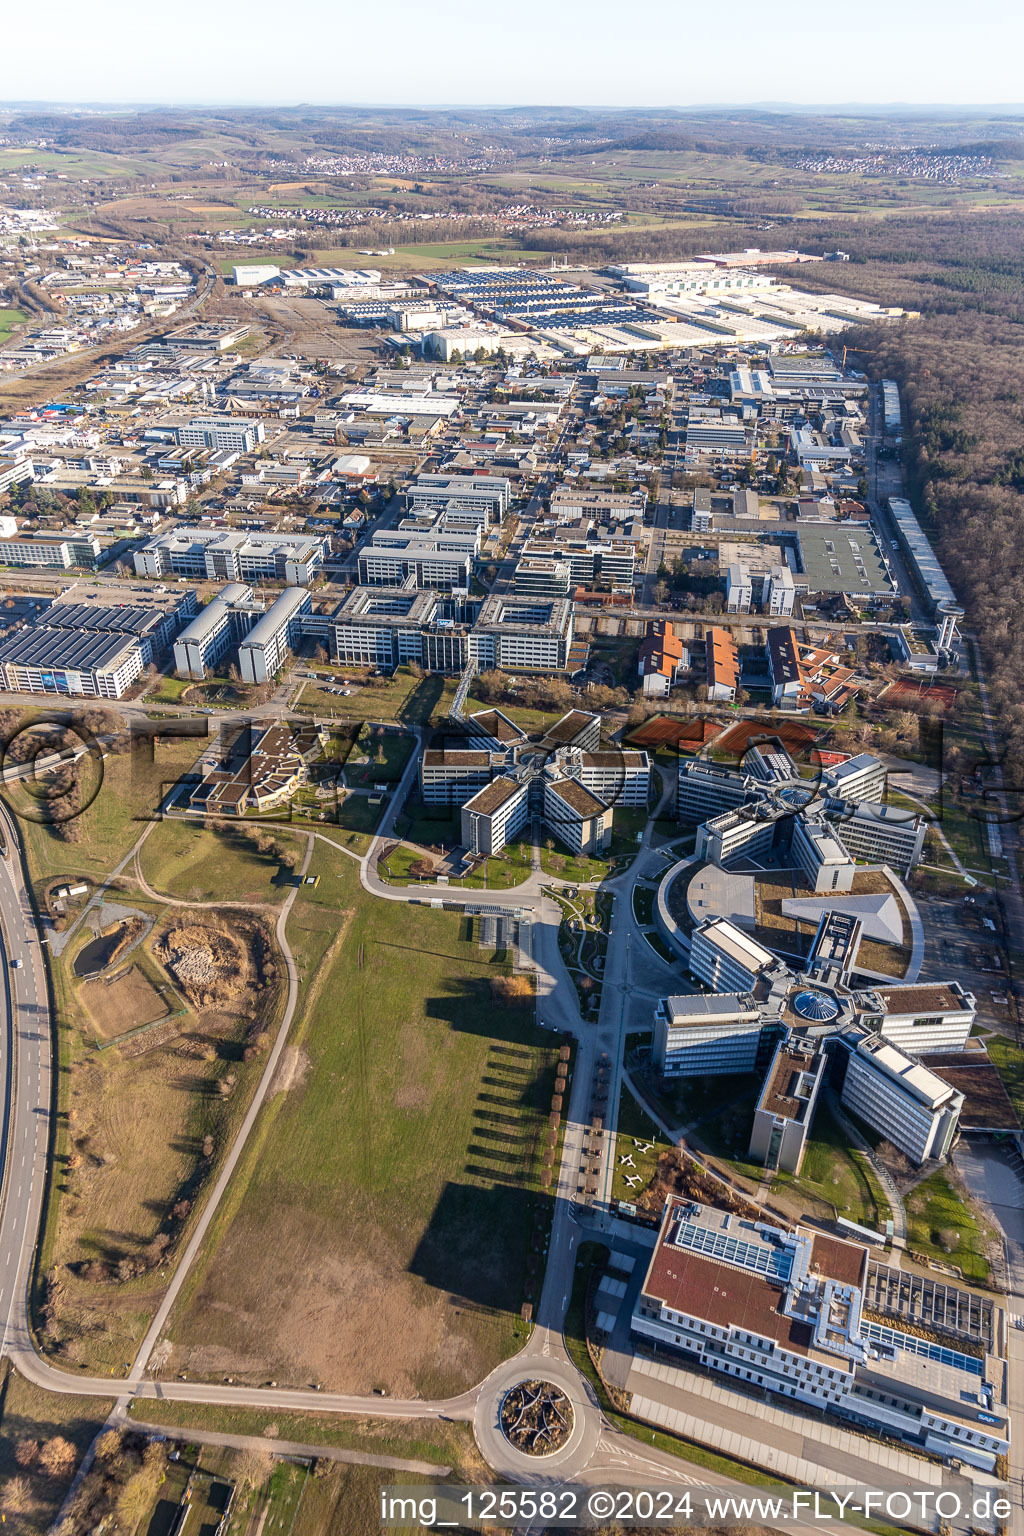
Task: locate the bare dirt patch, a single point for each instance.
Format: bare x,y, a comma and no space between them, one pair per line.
291,1070
338,1327
122,1002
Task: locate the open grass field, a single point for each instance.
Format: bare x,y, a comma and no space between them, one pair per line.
1009,1058
377,758
510,868
635,1129
528,720
180,859
834,1178
393,1187
9,318
128,798
404,697
942,1225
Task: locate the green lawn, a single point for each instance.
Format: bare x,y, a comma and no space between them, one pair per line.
627,826
635,1125
386,758
170,690
357,815
429,825
399,1177
577,869
404,697
180,859
532,721
941,1225
9,318
834,1174
1009,1058
510,868
129,796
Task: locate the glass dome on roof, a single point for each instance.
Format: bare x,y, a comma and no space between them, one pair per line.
816,1006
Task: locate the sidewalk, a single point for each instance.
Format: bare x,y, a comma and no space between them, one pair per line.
807,1448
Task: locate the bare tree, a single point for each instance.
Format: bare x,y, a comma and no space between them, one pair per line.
58,1457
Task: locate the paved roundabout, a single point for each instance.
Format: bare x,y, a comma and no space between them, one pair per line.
519,1466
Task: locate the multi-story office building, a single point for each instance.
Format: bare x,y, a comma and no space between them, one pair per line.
216,629
898,1097
224,434
491,494
217,554
779,592
440,562
618,777
820,855
706,789
733,833
523,634
453,775
784,1313
920,1017
725,958
495,815
388,626
885,834
739,589
860,778
571,502
705,1035
709,435
89,650
786,1105
536,577
591,561
262,653
51,552
578,818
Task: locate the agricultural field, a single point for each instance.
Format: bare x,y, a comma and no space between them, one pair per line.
398,1169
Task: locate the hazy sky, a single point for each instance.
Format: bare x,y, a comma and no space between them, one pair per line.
659,53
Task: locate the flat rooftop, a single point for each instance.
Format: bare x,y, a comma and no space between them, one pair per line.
493,796
842,559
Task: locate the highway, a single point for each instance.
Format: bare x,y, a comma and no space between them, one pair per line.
27,1087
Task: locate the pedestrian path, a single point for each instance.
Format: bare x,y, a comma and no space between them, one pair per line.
803,1447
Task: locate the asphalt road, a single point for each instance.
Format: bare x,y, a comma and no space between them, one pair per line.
27,1092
